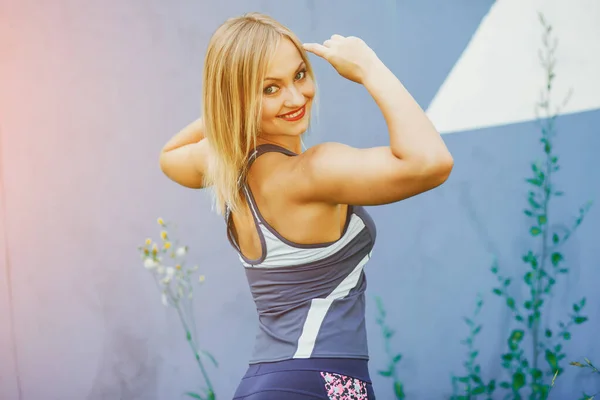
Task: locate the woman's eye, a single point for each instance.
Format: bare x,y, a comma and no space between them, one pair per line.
300,75
270,90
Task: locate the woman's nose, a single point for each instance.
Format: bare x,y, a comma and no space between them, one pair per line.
294,98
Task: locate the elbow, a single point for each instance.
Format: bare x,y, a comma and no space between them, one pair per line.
445,164
162,162
437,169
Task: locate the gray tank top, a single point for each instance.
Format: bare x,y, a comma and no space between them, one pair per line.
310,299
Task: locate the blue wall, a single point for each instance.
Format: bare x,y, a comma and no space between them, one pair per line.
93,92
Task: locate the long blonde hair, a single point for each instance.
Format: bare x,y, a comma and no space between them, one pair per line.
234,69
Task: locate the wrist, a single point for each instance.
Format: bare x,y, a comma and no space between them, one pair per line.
374,73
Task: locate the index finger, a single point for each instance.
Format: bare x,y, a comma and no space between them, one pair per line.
317,49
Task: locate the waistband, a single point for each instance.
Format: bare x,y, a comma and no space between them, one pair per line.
353,367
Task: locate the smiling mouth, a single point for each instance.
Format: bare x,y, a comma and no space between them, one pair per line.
294,115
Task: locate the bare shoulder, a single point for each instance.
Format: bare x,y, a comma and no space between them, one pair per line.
336,173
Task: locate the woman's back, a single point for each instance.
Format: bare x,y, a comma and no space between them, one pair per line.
305,224
309,295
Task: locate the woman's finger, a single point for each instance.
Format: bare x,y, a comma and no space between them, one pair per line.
317,49
335,36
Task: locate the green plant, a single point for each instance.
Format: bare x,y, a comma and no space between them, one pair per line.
166,262
587,364
531,371
391,370
471,384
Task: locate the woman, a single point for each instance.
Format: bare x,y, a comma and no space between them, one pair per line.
296,218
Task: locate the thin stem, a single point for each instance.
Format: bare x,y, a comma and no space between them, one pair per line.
194,349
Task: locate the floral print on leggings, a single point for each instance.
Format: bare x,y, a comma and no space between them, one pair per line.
341,387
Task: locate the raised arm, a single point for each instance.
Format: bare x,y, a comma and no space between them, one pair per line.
415,161
185,157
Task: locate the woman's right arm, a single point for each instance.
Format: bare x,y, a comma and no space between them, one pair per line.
415,161
185,157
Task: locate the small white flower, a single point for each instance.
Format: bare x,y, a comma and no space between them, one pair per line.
149,263
201,278
160,270
170,272
181,251
165,299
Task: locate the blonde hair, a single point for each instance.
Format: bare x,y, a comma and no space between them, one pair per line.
234,69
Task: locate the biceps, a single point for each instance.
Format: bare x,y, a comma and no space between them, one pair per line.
341,174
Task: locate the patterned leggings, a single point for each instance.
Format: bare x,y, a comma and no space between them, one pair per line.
302,385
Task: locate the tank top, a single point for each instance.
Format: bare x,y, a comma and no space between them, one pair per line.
310,298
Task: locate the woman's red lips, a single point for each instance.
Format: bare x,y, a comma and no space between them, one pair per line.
294,115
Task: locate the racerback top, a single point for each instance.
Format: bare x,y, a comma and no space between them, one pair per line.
310,298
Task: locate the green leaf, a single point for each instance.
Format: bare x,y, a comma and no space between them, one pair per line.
518,381
548,333
507,357
528,277
559,193
397,358
534,204
399,390
497,291
478,390
542,219
536,373
506,282
194,395
576,307
387,373
579,320
517,335
528,213
556,258
535,231
566,336
510,302
551,359
210,357
535,182
211,395
491,386
505,385
555,238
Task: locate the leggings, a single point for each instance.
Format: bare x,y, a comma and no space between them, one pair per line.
306,380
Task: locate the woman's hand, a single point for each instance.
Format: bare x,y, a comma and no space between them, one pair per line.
350,56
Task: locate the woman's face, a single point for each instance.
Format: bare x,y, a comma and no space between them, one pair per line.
287,93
